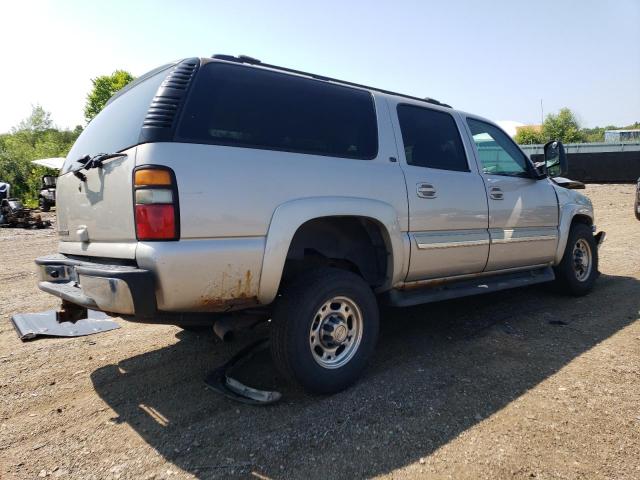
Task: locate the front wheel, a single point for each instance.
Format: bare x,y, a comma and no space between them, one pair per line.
578,270
325,327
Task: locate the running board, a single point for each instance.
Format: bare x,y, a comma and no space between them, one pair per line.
463,288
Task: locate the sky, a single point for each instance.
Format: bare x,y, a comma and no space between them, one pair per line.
494,58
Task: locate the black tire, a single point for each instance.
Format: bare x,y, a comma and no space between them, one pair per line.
297,310
44,205
568,279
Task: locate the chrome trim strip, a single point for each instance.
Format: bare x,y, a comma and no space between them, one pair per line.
474,238
501,236
451,239
461,243
523,239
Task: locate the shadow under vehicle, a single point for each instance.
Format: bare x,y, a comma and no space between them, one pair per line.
440,369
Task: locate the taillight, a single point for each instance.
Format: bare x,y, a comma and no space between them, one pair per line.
156,204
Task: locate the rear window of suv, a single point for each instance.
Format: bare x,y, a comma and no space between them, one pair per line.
250,107
117,127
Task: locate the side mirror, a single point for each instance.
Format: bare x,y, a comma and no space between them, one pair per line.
555,159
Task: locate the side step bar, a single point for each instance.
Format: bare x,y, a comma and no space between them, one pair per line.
464,288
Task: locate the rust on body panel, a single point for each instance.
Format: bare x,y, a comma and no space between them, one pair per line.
229,295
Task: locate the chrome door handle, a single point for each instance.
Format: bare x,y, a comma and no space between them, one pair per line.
496,193
426,190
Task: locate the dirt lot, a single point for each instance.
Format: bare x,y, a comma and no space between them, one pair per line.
516,385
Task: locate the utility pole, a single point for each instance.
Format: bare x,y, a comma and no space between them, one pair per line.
541,113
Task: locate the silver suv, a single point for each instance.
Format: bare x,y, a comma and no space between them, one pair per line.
214,187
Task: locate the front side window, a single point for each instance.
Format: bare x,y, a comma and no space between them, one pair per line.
498,154
249,107
431,139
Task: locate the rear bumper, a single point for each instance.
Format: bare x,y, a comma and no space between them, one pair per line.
121,289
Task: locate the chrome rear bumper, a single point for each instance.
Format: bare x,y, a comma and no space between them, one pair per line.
121,289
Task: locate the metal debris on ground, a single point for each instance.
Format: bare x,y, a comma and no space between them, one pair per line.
13,214
48,323
220,380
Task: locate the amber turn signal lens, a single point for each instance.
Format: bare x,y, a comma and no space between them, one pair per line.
152,177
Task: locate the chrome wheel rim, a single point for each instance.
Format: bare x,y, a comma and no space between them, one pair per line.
582,261
336,332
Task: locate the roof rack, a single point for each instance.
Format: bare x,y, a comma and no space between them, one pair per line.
254,61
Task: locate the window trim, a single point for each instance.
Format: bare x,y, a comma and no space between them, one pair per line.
181,139
421,107
530,170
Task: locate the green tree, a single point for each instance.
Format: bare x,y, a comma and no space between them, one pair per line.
34,137
38,121
103,89
593,135
563,126
528,135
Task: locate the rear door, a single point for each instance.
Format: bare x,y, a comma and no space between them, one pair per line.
523,210
448,213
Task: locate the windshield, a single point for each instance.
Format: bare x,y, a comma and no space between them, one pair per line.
117,127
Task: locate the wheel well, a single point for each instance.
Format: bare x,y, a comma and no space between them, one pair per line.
357,244
582,219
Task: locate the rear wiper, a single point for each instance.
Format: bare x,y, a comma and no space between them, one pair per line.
97,160
86,162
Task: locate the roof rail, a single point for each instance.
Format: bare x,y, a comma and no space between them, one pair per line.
254,61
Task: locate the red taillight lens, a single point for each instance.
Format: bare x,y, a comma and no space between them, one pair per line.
155,222
156,203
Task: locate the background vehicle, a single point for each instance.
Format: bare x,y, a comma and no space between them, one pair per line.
636,205
231,185
14,214
47,194
5,190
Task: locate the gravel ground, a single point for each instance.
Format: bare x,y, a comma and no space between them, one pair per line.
514,385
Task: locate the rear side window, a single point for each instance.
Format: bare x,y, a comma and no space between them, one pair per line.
431,139
249,107
117,127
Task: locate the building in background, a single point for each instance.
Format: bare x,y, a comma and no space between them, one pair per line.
510,126
620,136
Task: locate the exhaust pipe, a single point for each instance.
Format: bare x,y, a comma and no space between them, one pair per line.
226,325
223,328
